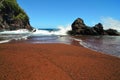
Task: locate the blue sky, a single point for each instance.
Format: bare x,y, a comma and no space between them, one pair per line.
52,13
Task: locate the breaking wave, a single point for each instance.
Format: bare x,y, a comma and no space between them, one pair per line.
55,31
6,36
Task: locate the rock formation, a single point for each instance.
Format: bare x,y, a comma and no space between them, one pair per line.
99,29
12,17
111,32
80,28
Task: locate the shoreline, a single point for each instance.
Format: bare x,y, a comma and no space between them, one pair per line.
82,41
85,41
55,61
76,41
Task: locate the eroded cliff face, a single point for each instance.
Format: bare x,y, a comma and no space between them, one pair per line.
12,17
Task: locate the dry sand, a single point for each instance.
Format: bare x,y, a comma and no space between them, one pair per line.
25,61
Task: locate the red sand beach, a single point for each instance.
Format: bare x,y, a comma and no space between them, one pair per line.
25,61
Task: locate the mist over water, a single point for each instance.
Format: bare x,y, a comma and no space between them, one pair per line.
6,36
51,35
109,22
61,30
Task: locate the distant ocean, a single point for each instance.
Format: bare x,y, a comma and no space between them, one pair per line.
105,44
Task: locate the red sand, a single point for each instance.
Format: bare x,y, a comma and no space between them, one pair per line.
23,61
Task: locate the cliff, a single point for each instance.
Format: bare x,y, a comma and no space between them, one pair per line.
12,17
80,28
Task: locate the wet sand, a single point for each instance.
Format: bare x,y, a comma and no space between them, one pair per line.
26,61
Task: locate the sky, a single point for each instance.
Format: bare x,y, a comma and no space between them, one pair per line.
53,13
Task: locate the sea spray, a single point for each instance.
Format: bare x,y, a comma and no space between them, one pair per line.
61,30
23,34
6,36
109,22
20,31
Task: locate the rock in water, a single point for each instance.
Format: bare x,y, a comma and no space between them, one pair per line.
99,29
12,17
111,32
80,28
78,24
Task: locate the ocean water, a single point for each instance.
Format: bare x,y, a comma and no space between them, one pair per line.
7,36
105,44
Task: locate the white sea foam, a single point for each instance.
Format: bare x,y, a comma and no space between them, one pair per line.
77,39
4,41
62,31
7,36
20,31
82,43
104,44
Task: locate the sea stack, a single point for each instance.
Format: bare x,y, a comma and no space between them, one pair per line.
12,17
80,28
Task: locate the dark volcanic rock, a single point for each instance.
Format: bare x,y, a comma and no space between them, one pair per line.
79,28
78,24
12,17
99,29
111,32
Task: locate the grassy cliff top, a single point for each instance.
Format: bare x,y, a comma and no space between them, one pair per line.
12,16
11,8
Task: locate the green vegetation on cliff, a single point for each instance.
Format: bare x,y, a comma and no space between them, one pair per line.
12,16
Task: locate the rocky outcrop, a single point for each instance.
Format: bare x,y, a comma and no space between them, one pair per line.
12,17
80,28
98,28
78,24
111,32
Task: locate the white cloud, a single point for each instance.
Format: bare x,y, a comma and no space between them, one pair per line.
109,22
